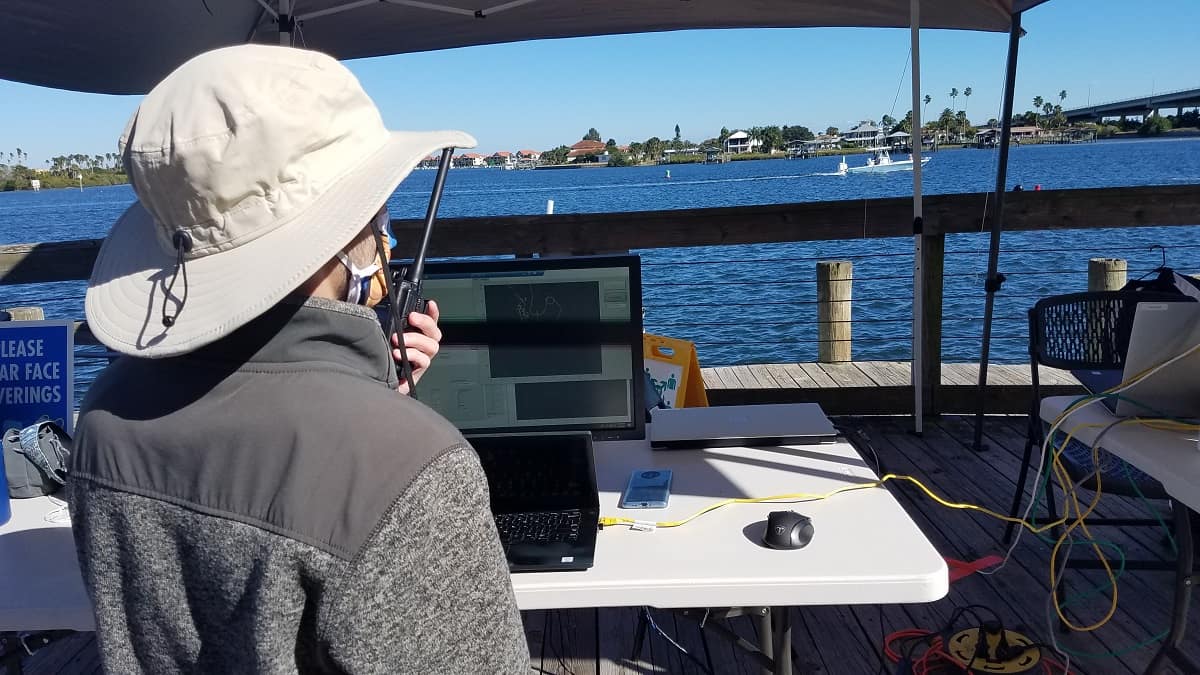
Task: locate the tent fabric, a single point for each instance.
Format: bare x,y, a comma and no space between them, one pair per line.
126,46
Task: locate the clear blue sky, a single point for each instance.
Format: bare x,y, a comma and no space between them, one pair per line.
542,94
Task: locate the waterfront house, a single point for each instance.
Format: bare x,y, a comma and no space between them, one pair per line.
468,160
429,162
586,151
739,142
529,155
1024,133
501,158
865,134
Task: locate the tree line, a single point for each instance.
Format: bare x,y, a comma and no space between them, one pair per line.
60,171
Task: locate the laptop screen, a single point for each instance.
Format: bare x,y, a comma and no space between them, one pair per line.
538,472
538,345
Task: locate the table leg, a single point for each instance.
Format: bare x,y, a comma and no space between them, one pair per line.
1183,595
765,640
782,618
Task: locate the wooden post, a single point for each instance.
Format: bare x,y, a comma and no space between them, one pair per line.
1106,274
26,313
834,283
933,263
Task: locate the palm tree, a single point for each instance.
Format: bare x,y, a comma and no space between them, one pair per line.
1062,96
954,103
925,109
966,99
1037,105
19,154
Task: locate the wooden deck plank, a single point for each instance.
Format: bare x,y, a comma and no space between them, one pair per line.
847,375
725,659
1001,373
617,629
567,642
800,376
759,376
901,370
747,378
818,375
881,376
781,376
958,374
767,378
727,378
838,633
711,381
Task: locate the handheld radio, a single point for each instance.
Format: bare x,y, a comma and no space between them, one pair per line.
404,290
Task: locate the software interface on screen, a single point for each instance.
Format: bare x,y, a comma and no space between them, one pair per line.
534,348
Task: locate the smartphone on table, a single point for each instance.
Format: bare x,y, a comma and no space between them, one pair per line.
647,489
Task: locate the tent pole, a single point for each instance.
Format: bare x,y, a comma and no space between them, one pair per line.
287,23
995,279
918,325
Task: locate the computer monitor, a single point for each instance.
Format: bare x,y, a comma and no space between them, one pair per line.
539,344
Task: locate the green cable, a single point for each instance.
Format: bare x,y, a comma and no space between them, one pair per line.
1076,598
1157,516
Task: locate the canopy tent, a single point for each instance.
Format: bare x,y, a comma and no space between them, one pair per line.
126,46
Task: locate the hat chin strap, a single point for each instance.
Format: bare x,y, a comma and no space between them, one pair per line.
183,245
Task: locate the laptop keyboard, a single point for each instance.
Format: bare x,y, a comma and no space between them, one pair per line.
539,527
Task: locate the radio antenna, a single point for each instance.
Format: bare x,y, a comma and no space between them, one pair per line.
407,298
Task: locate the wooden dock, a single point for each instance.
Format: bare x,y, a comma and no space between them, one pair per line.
879,387
845,640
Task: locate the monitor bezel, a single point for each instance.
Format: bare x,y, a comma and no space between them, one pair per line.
632,336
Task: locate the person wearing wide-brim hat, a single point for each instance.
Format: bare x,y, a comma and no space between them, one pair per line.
250,490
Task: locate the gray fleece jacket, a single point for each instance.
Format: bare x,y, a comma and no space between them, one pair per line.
270,504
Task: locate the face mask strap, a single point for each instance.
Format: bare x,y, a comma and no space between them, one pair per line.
358,290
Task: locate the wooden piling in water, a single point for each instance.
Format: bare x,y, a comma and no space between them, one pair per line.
1106,274
834,284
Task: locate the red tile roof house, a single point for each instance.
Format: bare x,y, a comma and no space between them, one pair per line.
586,149
500,158
467,160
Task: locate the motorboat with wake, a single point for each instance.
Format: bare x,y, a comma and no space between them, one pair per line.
880,161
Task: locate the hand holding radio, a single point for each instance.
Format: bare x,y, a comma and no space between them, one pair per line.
422,340
404,293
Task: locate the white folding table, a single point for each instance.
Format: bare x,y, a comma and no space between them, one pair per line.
865,550
1170,457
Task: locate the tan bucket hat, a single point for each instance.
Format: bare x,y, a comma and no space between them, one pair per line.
253,166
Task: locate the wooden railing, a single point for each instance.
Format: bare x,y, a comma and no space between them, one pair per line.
849,219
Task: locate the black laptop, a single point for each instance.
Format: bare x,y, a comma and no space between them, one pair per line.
1099,381
544,498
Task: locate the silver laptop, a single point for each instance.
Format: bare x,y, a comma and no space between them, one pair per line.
1162,330
740,425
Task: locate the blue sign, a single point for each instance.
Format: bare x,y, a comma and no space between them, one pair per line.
37,373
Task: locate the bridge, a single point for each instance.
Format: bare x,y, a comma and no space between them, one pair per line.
1137,107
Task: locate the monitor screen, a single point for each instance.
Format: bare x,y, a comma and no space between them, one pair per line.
541,344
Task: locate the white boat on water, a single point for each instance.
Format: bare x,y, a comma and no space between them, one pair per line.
880,161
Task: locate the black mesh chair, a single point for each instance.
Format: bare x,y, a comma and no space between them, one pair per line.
1085,331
